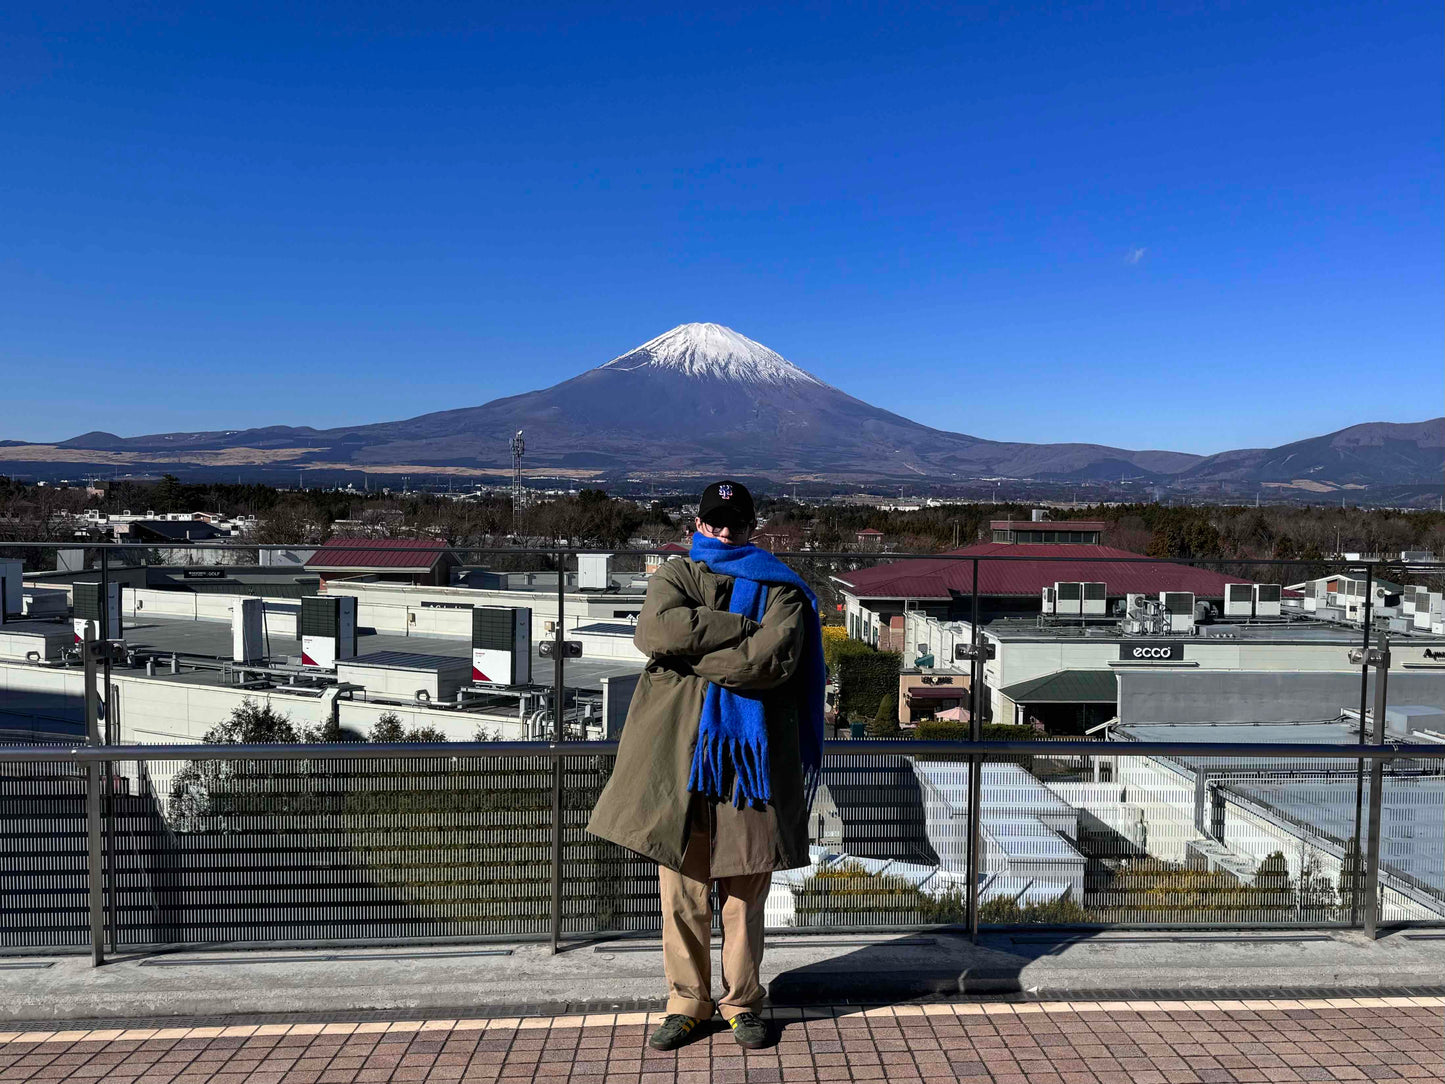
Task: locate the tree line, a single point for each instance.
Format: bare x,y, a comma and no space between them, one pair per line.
591,517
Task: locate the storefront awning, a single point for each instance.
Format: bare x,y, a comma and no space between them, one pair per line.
937,692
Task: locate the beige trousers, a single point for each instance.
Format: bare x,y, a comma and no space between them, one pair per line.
687,932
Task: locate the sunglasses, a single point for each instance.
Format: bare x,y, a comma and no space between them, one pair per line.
724,524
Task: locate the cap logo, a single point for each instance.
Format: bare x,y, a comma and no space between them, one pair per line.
725,492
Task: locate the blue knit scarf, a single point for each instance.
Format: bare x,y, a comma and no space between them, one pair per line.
732,740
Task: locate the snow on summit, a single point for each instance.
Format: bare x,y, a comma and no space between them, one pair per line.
711,350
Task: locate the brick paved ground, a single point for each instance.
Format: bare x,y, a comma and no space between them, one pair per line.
1024,1043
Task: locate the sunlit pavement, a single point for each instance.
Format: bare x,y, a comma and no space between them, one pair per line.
1167,1042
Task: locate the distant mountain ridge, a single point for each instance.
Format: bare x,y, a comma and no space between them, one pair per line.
702,398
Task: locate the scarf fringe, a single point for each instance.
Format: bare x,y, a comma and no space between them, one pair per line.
727,760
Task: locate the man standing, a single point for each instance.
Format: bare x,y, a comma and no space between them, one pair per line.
719,756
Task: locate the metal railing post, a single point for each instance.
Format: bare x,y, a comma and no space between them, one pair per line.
93,849
111,732
975,764
559,700
1360,771
1377,791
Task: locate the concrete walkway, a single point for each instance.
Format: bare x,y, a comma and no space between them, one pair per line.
1376,1039
490,980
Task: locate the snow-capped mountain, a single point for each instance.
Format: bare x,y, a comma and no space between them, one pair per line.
703,398
713,351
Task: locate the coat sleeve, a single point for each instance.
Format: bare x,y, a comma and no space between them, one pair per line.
768,657
673,623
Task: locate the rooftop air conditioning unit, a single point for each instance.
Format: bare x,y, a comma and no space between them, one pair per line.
1437,610
1179,605
1136,614
1050,601
1266,599
86,609
594,571
248,630
327,626
1423,601
1070,599
502,645
44,602
1238,600
1096,598
12,588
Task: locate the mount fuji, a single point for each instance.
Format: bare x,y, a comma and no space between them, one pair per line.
703,398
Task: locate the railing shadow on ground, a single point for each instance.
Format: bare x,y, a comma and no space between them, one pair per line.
913,967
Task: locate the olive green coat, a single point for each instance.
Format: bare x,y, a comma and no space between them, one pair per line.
691,639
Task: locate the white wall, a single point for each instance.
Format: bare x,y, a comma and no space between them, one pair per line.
362,716
162,710
137,604
402,609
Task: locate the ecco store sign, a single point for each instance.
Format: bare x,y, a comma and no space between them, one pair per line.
1151,652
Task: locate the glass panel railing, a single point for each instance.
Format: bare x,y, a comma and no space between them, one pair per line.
402,847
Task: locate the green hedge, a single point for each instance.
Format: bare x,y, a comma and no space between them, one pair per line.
838,645
864,680
945,730
885,723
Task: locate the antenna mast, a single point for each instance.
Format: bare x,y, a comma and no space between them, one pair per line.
519,446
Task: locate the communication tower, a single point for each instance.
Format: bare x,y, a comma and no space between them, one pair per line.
519,446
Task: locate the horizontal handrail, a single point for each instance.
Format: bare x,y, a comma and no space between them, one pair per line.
879,556
85,754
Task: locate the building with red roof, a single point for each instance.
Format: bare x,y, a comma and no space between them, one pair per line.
1011,580
389,560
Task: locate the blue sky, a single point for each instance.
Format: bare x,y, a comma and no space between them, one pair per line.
1195,226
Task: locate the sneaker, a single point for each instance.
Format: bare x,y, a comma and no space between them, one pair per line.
673,1032
749,1030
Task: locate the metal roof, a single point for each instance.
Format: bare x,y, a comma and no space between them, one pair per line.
380,554
946,578
176,530
608,628
1066,687
1310,732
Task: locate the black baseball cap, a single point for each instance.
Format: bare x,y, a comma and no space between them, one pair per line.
726,504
